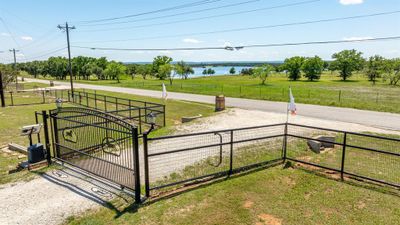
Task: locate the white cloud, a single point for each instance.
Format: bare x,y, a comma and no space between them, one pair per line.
355,38
191,40
26,38
351,2
5,34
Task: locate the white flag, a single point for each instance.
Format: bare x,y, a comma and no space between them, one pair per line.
292,105
164,92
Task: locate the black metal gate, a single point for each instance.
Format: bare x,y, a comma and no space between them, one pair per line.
98,143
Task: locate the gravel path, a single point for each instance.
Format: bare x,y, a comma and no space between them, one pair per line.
51,198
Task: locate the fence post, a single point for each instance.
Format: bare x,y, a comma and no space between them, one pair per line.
37,122
12,98
146,165
95,99
240,95
69,96
284,148
43,98
140,116
231,155
377,97
135,143
3,101
340,96
46,137
164,115
105,103
87,99
343,155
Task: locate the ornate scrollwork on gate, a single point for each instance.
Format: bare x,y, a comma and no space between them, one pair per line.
110,146
69,135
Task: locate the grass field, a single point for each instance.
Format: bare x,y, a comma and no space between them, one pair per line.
330,90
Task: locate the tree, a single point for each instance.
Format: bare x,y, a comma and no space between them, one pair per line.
293,66
391,68
145,70
131,70
93,68
346,62
210,71
8,73
247,71
183,69
204,72
312,68
232,71
115,70
164,72
159,61
374,68
263,72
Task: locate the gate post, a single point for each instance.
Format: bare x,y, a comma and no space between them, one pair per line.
284,147
55,145
46,136
146,164
343,155
231,155
135,146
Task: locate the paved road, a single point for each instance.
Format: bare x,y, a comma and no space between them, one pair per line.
370,118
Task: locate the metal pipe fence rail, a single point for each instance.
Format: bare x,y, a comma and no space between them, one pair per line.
33,97
170,161
134,111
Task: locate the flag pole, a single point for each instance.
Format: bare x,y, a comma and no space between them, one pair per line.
287,106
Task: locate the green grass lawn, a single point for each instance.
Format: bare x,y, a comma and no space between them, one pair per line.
271,196
357,92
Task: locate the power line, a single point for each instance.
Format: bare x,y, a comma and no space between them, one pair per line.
243,46
252,28
198,3
174,15
47,53
208,17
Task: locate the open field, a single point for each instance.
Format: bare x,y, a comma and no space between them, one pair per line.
330,90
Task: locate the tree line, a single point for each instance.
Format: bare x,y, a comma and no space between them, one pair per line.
345,62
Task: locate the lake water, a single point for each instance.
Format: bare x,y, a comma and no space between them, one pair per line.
219,70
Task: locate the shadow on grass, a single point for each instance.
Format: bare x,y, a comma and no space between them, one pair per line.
350,180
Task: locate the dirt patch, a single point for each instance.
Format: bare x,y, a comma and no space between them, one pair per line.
268,219
248,204
360,205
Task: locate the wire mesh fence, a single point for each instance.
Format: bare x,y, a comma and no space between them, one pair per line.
174,160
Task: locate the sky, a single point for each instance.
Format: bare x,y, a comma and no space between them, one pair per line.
31,27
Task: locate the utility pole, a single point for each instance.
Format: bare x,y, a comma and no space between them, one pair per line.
67,28
15,66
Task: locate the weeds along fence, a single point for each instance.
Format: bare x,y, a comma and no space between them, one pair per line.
132,111
172,161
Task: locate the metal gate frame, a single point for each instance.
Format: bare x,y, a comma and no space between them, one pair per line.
112,165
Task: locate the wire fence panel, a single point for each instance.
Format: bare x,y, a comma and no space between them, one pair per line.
318,146
174,160
377,158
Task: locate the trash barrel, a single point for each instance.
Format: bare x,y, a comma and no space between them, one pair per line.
35,153
219,103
